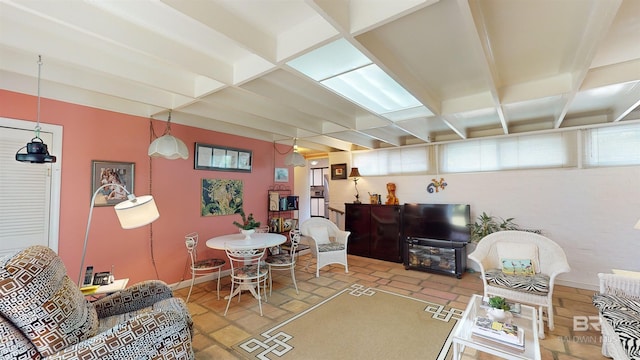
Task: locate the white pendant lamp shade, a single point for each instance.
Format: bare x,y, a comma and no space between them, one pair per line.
168,147
137,212
295,158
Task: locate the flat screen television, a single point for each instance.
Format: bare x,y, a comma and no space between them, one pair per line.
437,221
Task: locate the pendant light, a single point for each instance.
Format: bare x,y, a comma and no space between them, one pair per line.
295,158
37,150
168,146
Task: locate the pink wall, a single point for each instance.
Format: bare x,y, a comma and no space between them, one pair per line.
93,134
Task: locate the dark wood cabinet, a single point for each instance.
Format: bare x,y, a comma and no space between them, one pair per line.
375,231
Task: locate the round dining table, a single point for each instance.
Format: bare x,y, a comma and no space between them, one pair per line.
256,241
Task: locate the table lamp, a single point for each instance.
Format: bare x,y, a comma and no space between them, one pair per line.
355,174
132,213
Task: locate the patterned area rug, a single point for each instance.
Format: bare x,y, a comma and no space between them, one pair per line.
359,323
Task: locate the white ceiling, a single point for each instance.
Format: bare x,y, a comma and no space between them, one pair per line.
483,67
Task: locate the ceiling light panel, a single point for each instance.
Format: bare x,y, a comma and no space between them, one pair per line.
330,60
344,69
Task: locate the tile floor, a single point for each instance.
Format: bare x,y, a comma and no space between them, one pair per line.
214,334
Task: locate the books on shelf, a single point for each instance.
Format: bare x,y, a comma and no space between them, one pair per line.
501,332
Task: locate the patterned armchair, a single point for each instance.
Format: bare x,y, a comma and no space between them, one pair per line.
43,315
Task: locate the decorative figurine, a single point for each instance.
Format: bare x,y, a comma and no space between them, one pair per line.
436,185
391,197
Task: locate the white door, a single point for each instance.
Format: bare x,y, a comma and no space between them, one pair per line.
29,193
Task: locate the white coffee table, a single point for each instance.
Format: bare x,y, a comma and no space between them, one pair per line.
526,319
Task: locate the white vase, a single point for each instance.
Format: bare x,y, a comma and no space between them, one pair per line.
499,315
247,233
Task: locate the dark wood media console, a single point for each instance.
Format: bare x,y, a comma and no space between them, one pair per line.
378,231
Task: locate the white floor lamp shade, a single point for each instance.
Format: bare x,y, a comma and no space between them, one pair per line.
132,213
137,212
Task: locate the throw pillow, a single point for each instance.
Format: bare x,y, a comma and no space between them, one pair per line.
517,267
320,234
513,250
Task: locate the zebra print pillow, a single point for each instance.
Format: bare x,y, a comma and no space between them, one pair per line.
623,315
537,283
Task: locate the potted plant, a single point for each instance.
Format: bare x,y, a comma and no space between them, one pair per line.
499,309
487,224
248,225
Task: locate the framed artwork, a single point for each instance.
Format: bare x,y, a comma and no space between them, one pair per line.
111,172
338,171
221,197
289,224
212,157
281,175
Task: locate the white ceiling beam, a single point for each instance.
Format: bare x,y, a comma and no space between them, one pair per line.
218,18
355,138
602,16
382,134
218,112
626,103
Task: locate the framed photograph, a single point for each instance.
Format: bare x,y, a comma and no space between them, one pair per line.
275,225
111,172
289,224
281,175
212,157
338,171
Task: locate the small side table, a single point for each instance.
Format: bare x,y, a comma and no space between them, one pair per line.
462,335
104,290
116,285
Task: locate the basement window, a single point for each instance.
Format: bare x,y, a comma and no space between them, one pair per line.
612,146
551,150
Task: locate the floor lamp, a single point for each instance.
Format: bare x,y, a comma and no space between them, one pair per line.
132,213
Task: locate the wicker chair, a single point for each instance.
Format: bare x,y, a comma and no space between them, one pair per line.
548,259
320,231
618,303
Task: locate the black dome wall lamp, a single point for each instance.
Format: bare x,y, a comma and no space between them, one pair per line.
37,150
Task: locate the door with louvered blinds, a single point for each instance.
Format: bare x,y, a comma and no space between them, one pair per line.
25,193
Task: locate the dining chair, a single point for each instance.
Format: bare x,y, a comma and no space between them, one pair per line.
285,261
201,267
248,272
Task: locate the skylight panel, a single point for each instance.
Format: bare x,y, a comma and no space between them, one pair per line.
344,69
330,60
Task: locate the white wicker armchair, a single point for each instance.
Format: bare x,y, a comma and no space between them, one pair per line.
327,242
535,290
619,298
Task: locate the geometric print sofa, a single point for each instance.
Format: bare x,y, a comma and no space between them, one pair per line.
44,315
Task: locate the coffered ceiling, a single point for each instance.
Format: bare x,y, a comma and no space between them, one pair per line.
476,67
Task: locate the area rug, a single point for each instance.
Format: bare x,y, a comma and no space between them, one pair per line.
359,323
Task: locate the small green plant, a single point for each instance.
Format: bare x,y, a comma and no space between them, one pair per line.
498,302
247,223
488,224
